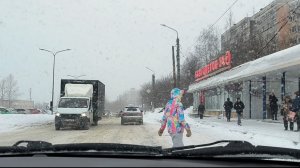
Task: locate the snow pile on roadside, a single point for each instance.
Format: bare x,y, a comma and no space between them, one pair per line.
153,117
253,131
212,129
10,122
157,110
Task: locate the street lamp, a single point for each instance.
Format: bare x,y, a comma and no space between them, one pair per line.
76,77
177,55
54,54
153,87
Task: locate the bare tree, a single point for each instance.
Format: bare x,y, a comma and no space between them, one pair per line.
229,21
3,89
207,46
12,89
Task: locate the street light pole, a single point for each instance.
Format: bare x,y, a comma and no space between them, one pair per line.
54,54
177,55
153,88
174,73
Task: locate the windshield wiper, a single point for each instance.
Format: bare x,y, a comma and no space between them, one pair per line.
216,149
44,147
229,147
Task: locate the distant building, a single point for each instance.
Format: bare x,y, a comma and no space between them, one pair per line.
238,40
17,104
247,38
133,97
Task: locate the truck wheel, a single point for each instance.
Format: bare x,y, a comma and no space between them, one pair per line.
95,122
86,126
57,127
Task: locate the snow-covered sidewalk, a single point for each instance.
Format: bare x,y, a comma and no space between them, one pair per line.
257,132
11,122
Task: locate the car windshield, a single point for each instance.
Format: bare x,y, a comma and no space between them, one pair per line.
72,103
167,73
131,109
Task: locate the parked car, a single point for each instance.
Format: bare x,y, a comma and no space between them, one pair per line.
131,115
22,111
45,111
107,114
12,111
3,110
35,111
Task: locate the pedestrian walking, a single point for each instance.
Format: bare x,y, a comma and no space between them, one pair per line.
273,105
228,105
173,118
239,107
286,109
201,110
296,109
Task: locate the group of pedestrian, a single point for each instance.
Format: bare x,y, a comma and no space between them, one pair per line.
228,106
238,106
290,110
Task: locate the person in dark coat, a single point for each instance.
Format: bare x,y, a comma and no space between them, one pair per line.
273,105
228,105
239,107
296,109
201,109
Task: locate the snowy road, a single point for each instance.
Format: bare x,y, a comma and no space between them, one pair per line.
108,131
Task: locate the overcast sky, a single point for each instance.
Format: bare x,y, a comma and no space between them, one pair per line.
110,40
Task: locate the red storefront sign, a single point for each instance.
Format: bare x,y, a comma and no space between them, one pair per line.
222,63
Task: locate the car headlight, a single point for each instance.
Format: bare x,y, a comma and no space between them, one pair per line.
57,114
83,114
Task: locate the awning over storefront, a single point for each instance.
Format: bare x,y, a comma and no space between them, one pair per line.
278,61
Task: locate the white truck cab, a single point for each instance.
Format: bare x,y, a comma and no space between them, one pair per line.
75,107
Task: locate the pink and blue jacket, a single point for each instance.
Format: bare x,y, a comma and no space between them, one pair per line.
173,116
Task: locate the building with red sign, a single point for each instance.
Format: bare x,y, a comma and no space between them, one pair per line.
214,67
252,82
247,71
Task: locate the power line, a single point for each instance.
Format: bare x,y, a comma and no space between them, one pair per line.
282,19
275,10
223,14
210,27
279,30
252,16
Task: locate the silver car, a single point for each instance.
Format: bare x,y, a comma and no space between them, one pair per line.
131,115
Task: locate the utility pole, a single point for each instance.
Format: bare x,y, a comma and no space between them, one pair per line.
174,73
178,55
30,94
153,90
178,63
